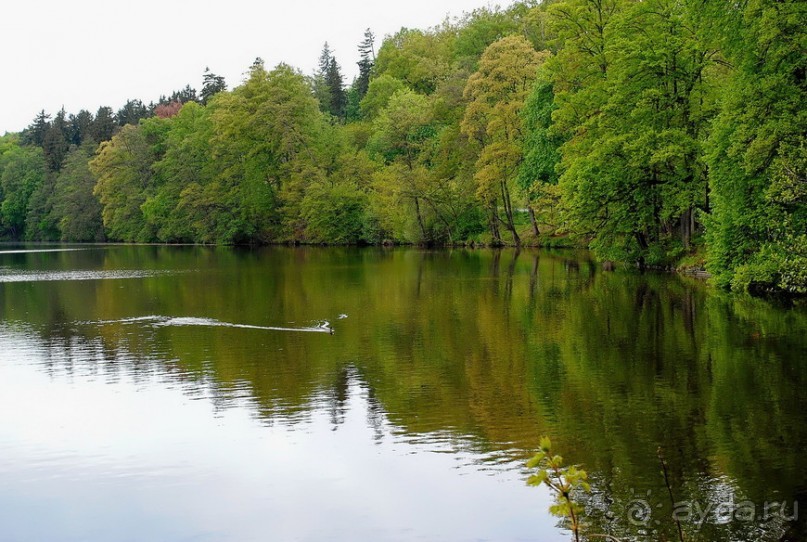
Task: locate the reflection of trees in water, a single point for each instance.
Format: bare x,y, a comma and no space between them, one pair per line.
498,346
338,396
717,512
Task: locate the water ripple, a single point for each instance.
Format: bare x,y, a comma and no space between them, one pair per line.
7,275
321,326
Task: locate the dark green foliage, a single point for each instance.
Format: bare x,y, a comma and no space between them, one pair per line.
541,144
132,112
40,224
35,133
56,141
329,86
336,90
212,85
756,152
187,94
365,63
22,173
80,127
103,125
76,211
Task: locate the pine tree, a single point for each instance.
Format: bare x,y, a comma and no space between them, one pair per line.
56,142
213,84
35,133
132,112
79,127
319,84
336,89
367,54
103,126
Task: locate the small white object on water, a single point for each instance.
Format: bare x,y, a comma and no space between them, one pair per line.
342,317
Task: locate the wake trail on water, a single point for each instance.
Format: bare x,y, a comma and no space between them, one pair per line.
322,326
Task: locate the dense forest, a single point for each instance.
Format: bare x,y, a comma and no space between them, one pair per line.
655,132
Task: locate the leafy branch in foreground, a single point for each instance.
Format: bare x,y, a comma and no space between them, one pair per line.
564,482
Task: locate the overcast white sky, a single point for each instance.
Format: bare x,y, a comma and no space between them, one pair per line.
86,53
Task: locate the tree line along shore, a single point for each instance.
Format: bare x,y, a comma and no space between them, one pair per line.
658,133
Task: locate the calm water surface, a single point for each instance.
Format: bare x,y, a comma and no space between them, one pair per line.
178,393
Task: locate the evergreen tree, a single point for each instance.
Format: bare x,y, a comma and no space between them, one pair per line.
213,84
187,94
366,63
336,90
35,133
103,126
79,127
57,141
132,112
320,88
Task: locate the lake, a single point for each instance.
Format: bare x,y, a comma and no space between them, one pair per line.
220,394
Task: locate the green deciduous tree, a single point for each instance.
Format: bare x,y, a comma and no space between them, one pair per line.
378,95
125,179
496,94
404,131
184,167
633,103
419,59
756,232
76,211
263,144
538,176
22,172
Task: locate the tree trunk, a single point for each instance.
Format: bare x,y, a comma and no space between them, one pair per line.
420,220
508,211
533,221
687,220
494,225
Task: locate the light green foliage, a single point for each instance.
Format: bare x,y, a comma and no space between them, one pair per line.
403,134
378,95
478,29
631,172
263,143
334,213
125,180
185,164
563,481
419,59
496,94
